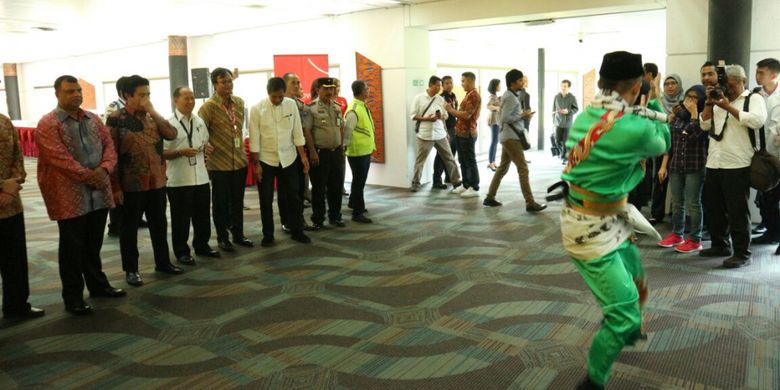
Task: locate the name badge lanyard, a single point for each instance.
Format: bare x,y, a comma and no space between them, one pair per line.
232,116
192,160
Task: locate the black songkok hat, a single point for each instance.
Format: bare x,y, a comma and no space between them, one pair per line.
621,65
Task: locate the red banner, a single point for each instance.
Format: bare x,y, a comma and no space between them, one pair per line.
308,67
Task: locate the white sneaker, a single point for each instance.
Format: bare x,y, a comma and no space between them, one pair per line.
469,193
458,190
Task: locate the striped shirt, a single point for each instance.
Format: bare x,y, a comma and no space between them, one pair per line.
225,122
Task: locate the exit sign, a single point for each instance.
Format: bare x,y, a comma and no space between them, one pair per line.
418,83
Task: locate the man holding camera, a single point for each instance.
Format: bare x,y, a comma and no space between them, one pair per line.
429,116
727,183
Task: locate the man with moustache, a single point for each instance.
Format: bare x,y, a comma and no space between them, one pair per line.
76,158
223,114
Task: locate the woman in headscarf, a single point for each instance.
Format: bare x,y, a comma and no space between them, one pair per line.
673,93
687,158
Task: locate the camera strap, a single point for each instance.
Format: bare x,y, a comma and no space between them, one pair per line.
745,108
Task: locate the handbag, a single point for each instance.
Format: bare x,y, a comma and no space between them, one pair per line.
764,166
521,134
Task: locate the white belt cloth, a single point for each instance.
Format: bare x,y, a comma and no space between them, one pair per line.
588,237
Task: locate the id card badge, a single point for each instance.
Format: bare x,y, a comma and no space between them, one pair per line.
193,161
237,142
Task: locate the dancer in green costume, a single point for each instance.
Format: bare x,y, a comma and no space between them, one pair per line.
607,143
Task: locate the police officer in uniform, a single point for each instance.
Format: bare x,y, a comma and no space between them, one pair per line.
323,128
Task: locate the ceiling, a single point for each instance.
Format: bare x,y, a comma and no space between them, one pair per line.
88,26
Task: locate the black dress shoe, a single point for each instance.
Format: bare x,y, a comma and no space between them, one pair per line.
715,252
243,241
736,262
208,253
169,269
337,222
361,218
134,279
440,186
226,246
308,228
186,260
286,230
763,240
315,227
300,237
109,292
535,207
267,241
491,202
79,309
31,312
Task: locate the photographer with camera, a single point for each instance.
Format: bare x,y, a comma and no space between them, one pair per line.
728,119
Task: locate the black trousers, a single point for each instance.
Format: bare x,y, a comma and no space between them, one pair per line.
190,204
152,203
642,193
227,202
13,265
288,181
81,240
438,164
468,162
359,166
327,179
561,135
302,185
769,206
728,194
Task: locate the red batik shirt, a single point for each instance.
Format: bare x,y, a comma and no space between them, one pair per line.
70,148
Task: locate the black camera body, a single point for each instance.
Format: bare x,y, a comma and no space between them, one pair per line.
722,86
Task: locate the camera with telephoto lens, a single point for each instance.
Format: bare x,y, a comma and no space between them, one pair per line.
718,92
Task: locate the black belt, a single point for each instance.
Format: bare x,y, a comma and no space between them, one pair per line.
319,149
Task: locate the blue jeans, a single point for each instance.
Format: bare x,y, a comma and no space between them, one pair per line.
493,143
686,199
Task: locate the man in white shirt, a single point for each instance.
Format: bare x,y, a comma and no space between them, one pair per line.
769,202
727,182
275,141
188,189
429,115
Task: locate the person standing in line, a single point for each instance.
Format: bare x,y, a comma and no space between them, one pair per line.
13,259
768,202
295,93
223,114
360,144
276,142
139,180
76,158
494,106
189,192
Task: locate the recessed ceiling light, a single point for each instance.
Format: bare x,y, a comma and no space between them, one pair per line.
43,28
256,6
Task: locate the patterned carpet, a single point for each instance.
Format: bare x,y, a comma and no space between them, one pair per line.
438,293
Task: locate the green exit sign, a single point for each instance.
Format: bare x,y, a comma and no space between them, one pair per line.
418,83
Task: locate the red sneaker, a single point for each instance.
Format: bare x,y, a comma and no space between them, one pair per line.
688,246
671,240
